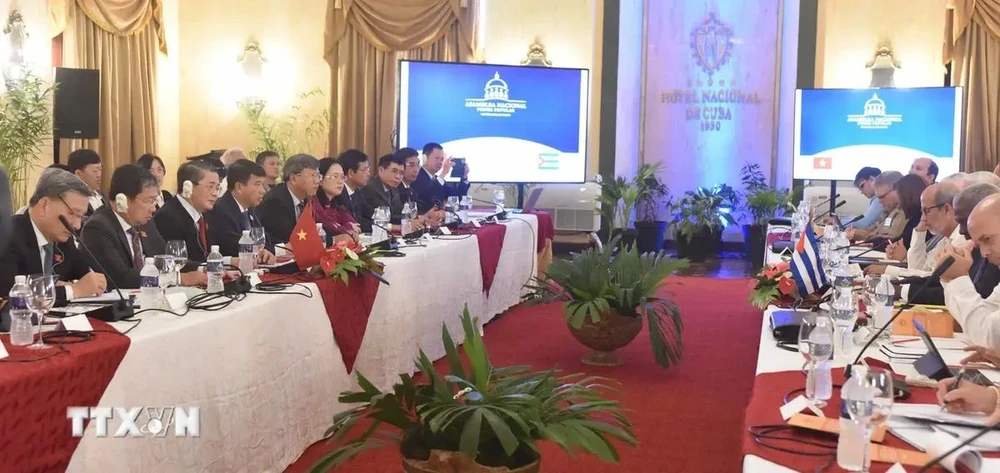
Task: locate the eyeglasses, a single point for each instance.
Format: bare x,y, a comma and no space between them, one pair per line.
77,217
927,210
334,177
882,196
412,165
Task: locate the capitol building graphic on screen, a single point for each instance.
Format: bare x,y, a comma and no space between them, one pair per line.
496,100
874,117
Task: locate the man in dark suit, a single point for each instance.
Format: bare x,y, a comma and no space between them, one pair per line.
411,169
86,164
282,206
122,236
357,172
182,218
431,189
382,191
235,212
40,243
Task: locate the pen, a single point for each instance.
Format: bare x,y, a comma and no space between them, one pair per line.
958,379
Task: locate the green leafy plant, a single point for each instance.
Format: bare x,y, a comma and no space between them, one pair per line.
620,196
597,281
25,125
299,131
495,416
703,209
762,202
655,198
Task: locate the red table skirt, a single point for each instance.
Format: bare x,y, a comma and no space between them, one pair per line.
490,239
768,393
34,395
546,228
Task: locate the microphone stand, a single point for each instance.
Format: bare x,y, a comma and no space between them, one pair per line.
985,430
121,309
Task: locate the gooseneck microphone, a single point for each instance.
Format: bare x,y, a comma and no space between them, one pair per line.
938,271
827,201
121,309
938,459
852,221
828,212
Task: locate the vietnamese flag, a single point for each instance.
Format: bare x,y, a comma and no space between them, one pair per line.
822,163
304,240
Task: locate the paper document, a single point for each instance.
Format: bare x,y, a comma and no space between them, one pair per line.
933,412
106,297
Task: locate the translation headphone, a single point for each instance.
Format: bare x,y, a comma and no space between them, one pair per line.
121,202
187,189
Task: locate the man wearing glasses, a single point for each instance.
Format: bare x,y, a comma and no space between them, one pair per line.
865,182
283,204
182,218
382,190
40,243
938,218
893,221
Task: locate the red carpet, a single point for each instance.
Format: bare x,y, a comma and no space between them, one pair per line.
687,419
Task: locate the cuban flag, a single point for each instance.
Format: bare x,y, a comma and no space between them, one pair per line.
806,267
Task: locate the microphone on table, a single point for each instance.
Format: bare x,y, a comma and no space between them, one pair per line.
835,196
828,212
496,216
852,221
876,247
121,309
389,244
938,271
938,459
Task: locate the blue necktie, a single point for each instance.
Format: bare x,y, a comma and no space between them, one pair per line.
246,220
47,259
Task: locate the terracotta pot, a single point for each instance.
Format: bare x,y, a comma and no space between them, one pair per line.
442,461
612,332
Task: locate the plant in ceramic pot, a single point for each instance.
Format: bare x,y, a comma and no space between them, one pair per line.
609,295
761,204
619,198
699,218
484,419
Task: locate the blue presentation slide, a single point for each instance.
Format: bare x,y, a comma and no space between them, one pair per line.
510,123
839,131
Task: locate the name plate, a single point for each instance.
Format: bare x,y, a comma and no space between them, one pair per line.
830,425
77,323
937,324
445,231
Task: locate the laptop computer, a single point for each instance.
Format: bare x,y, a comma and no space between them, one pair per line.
529,204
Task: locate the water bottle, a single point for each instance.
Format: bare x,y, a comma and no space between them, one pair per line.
823,383
844,312
404,221
381,219
464,204
149,284
851,443
247,253
882,301
322,234
213,268
21,333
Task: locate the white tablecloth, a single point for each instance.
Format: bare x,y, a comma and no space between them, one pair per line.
266,372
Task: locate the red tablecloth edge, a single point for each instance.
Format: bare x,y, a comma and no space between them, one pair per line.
490,239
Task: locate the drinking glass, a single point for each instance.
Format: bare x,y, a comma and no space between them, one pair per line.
499,198
816,345
43,297
178,249
165,265
870,296
873,408
259,240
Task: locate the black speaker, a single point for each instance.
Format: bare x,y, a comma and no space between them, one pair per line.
76,103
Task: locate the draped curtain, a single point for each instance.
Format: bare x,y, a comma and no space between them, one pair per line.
972,36
121,39
365,39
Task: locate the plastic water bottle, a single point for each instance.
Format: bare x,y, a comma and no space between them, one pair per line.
404,221
21,333
464,204
882,301
149,284
247,252
823,381
851,444
213,268
844,312
322,234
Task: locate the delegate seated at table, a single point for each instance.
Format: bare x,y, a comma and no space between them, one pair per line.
979,318
893,221
937,218
41,244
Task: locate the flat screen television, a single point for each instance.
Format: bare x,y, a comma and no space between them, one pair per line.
511,123
839,131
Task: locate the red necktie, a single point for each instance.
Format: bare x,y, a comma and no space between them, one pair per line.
137,256
203,233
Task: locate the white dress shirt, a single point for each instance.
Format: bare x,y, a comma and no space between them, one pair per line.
42,241
194,213
96,201
920,261
979,318
126,227
432,176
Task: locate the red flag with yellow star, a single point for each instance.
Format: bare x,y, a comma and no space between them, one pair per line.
304,240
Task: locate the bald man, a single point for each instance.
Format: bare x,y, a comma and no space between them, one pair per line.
980,318
938,218
926,168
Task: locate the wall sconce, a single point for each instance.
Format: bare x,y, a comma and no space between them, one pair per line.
252,64
883,66
15,34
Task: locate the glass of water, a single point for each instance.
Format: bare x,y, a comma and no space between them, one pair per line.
872,408
257,235
816,345
165,265
498,199
178,249
869,298
43,297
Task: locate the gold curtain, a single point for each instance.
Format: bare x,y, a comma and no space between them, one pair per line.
972,35
121,39
364,41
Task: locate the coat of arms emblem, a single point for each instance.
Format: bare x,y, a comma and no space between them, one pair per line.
711,43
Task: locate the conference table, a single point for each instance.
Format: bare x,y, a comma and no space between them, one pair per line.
264,372
778,372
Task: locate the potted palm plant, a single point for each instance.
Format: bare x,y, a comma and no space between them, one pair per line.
761,203
25,125
651,228
485,419
609,295
619,198
699,218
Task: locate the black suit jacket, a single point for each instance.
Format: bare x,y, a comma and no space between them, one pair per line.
226,224
24,257
104,235
430,192
358,206
90,208
985,276
175,223
277,214
376,195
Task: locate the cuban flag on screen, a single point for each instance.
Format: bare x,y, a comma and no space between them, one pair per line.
807,269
